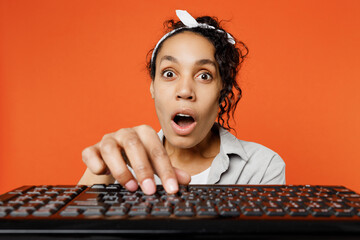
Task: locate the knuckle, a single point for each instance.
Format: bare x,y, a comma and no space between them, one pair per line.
106,136
132,141
158,153
141,168
145,128
168,173
86,153
97,169
120,174
123,132
142,171
106,148
106,145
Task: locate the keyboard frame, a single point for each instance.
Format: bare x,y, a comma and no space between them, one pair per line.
194,226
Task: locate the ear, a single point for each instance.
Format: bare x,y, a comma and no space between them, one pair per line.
152,89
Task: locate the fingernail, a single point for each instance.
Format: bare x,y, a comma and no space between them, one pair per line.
171,185
131,185
148,186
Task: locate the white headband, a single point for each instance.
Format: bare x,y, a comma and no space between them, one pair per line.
189,22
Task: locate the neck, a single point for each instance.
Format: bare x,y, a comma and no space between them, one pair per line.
198,158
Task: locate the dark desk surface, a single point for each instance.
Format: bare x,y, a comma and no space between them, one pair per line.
184,237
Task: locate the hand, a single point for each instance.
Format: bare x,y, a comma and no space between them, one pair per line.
141,148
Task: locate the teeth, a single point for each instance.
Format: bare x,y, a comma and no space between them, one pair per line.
183,115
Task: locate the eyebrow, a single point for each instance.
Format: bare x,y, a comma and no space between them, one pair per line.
205,62
198,62
169,58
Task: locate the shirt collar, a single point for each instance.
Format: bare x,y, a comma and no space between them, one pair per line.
231,145
228,142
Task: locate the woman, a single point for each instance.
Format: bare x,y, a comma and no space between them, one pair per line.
193,70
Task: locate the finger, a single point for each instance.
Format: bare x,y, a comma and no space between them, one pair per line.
129,140
92,158
158,157
183,177
110,152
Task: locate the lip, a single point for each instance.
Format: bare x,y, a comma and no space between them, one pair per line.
183,130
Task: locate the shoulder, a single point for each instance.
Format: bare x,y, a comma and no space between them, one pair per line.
256,150
245,149
261,164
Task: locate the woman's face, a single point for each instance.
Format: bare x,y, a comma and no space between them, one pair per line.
186,88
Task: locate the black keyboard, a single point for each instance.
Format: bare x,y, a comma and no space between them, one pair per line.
228,210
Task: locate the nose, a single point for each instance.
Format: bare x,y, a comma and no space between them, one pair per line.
185,89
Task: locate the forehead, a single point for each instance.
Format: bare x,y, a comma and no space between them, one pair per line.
187,45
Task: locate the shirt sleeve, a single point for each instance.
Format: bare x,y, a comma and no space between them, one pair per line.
275,172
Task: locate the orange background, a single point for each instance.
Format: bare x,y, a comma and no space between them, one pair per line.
71,71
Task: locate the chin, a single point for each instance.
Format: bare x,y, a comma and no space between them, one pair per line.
182,141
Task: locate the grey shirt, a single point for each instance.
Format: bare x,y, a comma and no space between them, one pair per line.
242,162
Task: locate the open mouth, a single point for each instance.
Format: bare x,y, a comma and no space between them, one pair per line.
183,120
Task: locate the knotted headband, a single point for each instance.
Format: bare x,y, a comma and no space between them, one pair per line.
189,22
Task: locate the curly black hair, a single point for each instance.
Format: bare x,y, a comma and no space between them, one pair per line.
228,56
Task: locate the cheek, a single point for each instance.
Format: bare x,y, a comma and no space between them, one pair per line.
161,100
212,106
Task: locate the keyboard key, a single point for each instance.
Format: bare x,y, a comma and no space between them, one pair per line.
298,212
321,212
248,205
172,198
5,210
93,212
70,212
21,190
266,189
253,199
43,212
139,211
88,197
315,199
117,211
39,200
151,199
296,199
87,203
275,212
161,210
266,205
31,206
97,186
288,205
266,194
336,205
275,199
53,206
132,200
184,210
313,205
354,199
114,186
252,211
207,212
21,212
54,191
343,212
229,211
284,194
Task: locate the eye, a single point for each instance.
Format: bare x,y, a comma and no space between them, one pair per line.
168,74
205,76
